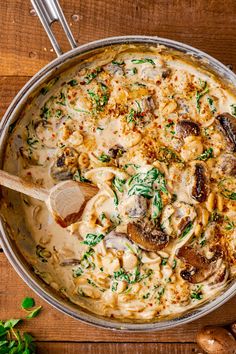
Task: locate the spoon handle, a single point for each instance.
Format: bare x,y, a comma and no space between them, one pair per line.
20,185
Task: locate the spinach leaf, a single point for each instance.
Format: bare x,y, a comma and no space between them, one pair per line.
104,158
93,239
156,205
142,61
118,183
207,154
187,229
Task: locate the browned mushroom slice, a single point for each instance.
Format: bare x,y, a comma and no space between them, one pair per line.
228,128
186,127
227,164
148,238
200,189
70,262
116,151
65,165
198,267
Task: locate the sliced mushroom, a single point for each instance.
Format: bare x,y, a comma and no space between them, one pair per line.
198,267
166,73
227,164
70,262
118,241
147,237
228,128
116,151
216,340
65,165
134,206
185,128
200,188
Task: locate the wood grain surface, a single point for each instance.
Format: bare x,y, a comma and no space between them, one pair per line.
24,49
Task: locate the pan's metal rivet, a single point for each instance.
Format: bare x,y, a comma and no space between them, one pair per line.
32,12
230,66
75,18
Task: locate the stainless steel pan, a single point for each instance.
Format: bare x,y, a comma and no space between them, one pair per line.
49,11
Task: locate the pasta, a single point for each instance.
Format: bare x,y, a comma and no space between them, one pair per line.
157,134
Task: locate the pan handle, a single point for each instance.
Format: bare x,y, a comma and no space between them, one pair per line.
50,11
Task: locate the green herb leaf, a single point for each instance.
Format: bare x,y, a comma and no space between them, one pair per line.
28,303
121,63
197,293
227,187
157,205
77,272
34,312
233,109
211,104
73,83
207,154
11,323
104,158
114,286
164,261
230,226
174,264
89,77
200,94
93,239
186,230
142,61
118,183
78,177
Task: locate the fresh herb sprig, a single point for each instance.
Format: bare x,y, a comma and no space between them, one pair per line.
11,340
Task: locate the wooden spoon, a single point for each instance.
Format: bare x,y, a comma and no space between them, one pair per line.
65,201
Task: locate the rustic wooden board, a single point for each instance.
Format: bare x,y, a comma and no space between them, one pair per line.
24,49
114,348
52,325
208,25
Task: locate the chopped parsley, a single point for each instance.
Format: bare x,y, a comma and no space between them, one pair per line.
164,261
200,94
197,293
131,278
207,154
187,229
89,77
142,61
104,158
73,83
233,109
230,226
118,183
211,104
119,63
174,264
93,239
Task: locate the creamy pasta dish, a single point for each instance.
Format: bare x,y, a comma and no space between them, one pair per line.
156,134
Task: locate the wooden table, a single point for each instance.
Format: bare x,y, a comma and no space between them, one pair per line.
24,49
